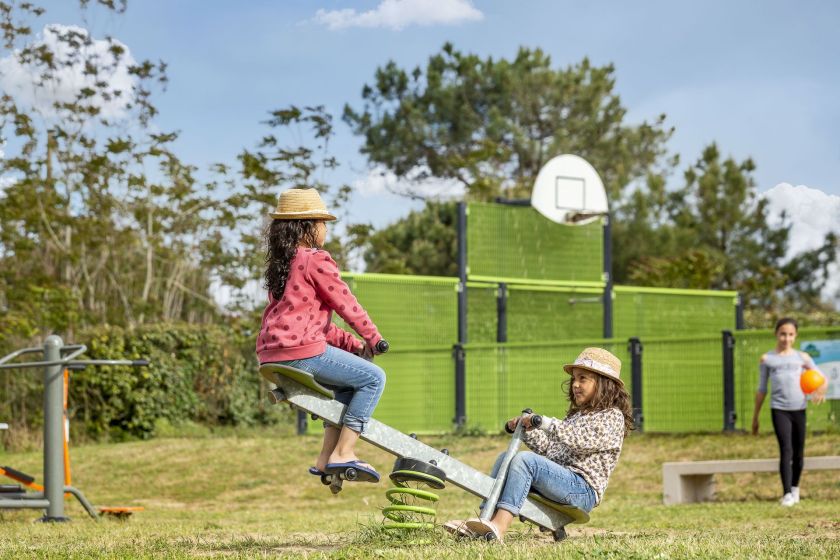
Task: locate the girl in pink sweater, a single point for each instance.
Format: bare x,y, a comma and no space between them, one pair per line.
304,288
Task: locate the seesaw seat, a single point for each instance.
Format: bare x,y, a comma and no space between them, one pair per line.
272,371
578,515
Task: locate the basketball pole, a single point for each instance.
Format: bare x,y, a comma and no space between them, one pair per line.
459,351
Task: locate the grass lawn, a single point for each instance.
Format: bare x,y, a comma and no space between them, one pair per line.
246,494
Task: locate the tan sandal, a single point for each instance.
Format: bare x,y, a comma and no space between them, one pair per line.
486,530
458,528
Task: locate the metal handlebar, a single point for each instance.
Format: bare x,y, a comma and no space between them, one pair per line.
76,350
20,352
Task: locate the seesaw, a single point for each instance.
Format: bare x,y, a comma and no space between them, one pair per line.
300,390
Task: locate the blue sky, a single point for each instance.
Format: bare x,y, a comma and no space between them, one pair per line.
760,78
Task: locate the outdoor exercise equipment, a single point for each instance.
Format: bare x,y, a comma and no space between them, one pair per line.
300,390
58,358
810,381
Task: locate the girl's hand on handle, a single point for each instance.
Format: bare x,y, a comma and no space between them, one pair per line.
366,352
526,420
510,426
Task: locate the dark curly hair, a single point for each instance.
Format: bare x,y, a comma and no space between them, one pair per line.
282,238
608,394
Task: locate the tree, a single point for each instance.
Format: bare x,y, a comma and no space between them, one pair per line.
714,233
423,243
492,124
102,223
295,154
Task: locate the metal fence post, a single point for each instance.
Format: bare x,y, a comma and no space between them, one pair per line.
634,346
302,423
460,386
739,313
501,313
459,352
608,289
729,415
54,431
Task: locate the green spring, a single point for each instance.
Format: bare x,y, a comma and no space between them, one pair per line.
410,504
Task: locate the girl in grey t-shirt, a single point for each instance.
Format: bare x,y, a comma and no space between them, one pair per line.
782,367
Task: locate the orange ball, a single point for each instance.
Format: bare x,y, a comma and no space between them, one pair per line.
810,381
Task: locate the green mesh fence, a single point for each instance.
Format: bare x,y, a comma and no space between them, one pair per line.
419,318
419,392
548,323
749,347
503,379
682,384
543,314
534,312
409,311
519,242
656,313
482,320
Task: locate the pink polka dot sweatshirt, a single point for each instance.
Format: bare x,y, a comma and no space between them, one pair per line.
299,325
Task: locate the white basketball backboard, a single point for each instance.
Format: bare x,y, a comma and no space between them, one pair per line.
568,190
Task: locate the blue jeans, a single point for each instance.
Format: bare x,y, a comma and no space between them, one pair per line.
357,383
529,471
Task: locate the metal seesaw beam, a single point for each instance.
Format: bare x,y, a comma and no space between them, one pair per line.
397,443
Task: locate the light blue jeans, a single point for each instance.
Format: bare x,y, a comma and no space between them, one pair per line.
357,383
530,472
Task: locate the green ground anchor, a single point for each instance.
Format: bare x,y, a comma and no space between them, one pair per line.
410,502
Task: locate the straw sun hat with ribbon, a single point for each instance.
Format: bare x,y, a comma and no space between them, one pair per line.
301,204
598,360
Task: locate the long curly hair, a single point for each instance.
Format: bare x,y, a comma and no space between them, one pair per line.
608,394
282,238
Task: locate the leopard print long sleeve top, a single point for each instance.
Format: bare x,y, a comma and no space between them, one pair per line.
588,444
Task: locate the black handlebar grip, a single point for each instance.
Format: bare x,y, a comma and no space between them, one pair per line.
382,346
140,363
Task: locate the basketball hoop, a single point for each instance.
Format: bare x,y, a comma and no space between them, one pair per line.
568,190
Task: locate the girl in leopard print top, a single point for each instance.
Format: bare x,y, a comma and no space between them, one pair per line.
571,460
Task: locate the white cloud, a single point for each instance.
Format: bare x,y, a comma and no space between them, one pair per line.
812,215
397,14
379,181
22,80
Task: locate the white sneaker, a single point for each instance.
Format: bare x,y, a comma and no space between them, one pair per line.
787,500
795,492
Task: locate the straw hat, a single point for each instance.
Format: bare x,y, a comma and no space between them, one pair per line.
301,204
598,360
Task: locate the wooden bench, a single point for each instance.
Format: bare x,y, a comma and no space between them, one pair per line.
693,481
